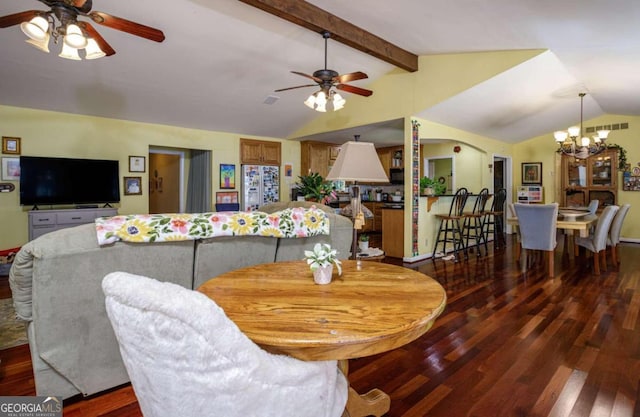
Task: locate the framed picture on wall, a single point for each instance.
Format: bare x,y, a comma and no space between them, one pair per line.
137,164
132,185
10,169
10,145
532,173
227,176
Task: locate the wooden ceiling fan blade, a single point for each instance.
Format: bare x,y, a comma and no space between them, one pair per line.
17,18
299,86
128,26
355,90
83,6
316,79
93,33
353,76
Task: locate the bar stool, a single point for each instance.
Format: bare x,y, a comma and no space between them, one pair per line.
495,219
473,226
451,225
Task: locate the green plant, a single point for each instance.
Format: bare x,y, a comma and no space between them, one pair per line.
313,186
322,255
622,156
426,182
363,237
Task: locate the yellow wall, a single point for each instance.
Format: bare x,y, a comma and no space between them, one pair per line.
45,133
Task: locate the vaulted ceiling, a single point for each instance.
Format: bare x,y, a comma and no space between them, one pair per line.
223,58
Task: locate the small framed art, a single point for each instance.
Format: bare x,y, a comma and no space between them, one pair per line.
10,145
137,164
132,185
10,169
227,176
532,173
227,197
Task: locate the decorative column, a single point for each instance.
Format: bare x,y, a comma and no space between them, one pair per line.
415,184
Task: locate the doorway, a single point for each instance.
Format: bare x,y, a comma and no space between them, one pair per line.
166,181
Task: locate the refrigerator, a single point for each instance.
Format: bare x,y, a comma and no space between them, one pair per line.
260,185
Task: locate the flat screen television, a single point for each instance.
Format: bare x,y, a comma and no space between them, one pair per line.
49,181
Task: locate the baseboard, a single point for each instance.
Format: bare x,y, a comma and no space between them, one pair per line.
629,240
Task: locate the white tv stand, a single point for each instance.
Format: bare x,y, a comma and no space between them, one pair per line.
45,221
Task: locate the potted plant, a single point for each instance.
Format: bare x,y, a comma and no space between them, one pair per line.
363,241
429,186
314,188
321,260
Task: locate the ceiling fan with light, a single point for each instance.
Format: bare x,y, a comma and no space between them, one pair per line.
61,22
327,79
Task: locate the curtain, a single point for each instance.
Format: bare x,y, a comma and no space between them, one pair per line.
199,182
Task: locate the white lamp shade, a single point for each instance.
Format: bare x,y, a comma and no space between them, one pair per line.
574,131
358,161
603,134
42,45
92,50
310,101
74,37
69,52
586,141
37,28
560,135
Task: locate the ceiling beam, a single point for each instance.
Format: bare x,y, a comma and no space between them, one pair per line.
315,19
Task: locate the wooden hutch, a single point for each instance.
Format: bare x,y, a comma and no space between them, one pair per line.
593,178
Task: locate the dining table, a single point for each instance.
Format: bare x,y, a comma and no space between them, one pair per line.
573,222
371,308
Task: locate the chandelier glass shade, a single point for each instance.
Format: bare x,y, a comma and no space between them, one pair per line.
42,28
318,101
572,142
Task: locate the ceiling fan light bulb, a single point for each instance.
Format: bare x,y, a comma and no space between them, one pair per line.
92,50
574,131
37,28
321,107
69,53
310,101
321,99
338,102
42,45
74,37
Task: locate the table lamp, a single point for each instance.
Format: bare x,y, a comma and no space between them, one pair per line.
357,161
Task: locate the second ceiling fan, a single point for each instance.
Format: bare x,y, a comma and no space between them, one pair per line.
326,79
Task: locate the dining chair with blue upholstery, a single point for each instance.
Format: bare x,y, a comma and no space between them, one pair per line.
614,233
593,206
537,224
185,357
596,242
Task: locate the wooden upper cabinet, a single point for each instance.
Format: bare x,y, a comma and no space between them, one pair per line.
317,157
260,152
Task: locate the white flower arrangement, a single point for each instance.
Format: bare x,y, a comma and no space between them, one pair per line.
322,255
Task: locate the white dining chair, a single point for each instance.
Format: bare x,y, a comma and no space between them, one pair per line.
593,206
596,242
614,233
185,357
537,224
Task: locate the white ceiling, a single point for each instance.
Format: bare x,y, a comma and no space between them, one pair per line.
221,59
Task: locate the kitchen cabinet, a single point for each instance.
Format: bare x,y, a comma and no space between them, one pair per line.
391,157
593,178
260,152
393,232
317,157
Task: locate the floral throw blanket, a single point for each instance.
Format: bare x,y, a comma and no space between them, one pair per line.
287,223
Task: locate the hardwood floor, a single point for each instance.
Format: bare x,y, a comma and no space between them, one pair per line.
510,343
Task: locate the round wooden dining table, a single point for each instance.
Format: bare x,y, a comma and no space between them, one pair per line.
371,308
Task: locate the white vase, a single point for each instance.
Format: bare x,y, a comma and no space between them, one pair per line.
363,245
322,275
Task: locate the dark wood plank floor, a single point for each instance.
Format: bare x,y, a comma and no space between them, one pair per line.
510,343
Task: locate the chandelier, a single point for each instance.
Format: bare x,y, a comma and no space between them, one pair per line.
567,140
45,26
318,101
